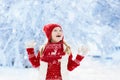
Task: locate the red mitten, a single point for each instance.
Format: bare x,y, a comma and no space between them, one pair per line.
78,58
35,61
30,51
71,64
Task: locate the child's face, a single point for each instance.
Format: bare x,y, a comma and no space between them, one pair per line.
57,34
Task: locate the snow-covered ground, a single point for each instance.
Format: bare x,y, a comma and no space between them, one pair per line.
95,23
89,70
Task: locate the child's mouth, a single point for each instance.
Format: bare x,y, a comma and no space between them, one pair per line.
58,36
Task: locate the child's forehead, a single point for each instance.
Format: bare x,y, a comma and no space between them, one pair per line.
57,27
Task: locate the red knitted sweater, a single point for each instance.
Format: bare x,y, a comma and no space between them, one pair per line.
52,54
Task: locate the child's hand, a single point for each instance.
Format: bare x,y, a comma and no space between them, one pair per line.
83,50
30,44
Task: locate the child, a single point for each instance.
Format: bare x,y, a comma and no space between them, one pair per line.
56,54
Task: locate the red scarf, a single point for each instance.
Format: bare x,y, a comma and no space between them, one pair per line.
53,52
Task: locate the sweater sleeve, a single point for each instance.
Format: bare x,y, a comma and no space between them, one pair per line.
72,64
35,60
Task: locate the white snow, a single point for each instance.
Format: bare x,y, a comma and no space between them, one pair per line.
95,23
89,70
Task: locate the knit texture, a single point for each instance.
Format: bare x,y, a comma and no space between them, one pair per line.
48,29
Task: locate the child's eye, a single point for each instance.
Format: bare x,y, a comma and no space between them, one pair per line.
55,30
60,30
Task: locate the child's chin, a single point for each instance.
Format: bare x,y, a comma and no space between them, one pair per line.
58,40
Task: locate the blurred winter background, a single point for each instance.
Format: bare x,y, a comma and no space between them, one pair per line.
94,23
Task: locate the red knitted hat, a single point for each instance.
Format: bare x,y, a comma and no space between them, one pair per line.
48,29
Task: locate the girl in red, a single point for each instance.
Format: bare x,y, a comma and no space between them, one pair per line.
55,57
